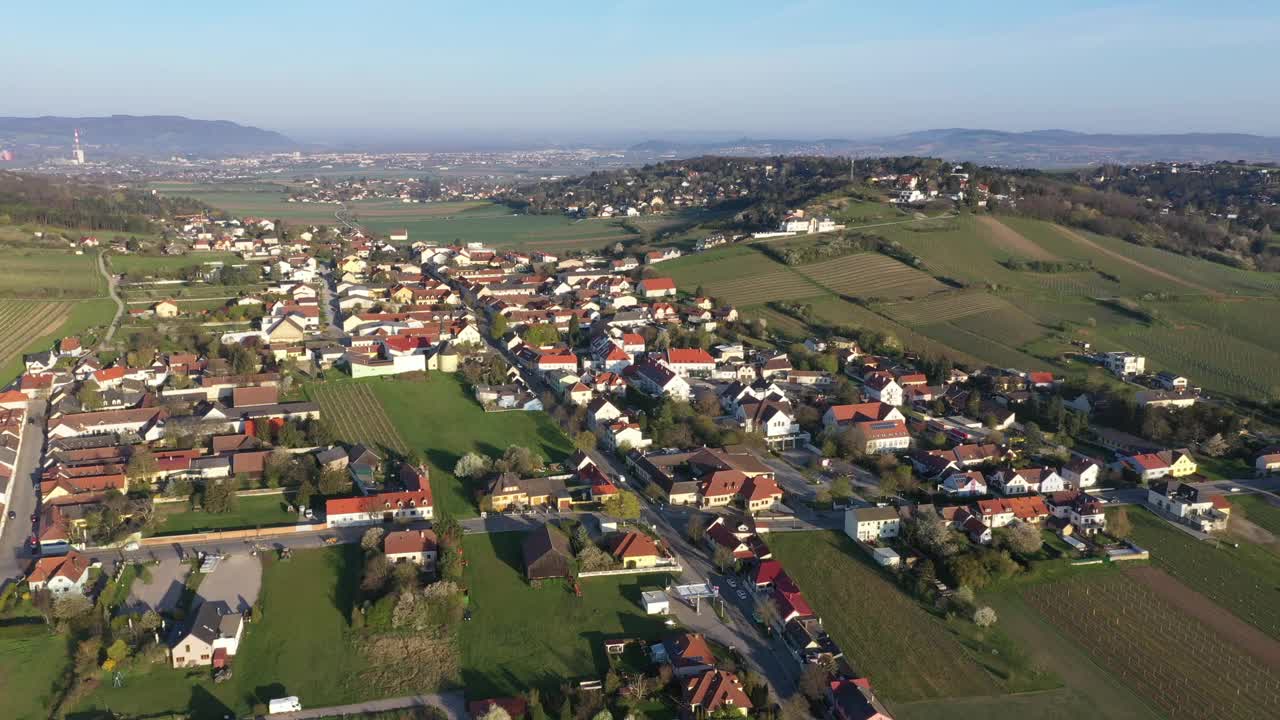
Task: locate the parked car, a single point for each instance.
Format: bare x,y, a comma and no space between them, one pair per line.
12,514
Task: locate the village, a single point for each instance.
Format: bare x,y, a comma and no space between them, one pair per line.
695,442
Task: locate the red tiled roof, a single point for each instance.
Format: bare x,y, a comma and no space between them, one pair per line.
661,283
409,541
635,544
689,356
375,503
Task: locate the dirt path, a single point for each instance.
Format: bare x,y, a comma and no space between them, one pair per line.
1217,618
115,296
1012,240
1077,237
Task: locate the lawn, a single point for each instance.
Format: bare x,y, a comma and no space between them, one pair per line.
32,662
1259,511
298,646
1241,579
442,421
251,512
908,653
50,274
144,264
520,636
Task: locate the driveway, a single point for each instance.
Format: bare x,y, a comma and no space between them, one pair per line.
236,581
168,578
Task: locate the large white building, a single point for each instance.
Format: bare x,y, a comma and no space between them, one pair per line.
1125,363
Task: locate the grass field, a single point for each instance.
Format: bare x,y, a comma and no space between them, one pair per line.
1170,659
441,420
50,274
908,654
298,646
32,661
521,636
251,512
870,275
142,265
1242,580
1259,511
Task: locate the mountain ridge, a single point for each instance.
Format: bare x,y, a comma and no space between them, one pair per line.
142,135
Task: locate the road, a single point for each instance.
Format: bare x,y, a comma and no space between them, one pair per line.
115,296
15,557
453,704
330,301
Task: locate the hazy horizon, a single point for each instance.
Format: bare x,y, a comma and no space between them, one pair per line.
624,72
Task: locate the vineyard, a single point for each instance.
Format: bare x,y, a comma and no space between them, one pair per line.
1241,579
354,415
23,321
767,287
1217,360
907,653
871,275
942,309
1175,662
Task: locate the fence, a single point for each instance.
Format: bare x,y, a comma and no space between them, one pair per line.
674,567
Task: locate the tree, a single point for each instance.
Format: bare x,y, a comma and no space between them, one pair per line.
724,559
841,488
767,611
519,460
118,651
498,326
471,465
1034,437
695,529
1119,525
585,441
219,496
90,399
496,713
142,464
813,682
623,505
371,541
541,334
929,533
70,606
334,481
1023,538
984,616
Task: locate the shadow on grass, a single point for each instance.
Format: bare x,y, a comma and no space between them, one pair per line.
204,706
348,562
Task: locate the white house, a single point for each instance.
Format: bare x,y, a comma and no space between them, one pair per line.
380,508
964,484
872,524
1081,473
1125,363
882,387
213,637
416,546
60,574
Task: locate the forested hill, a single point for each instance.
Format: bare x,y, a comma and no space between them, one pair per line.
142,135
44,200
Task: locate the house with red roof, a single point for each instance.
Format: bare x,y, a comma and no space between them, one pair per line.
715,693
60,574
637,550
657,287
690,362
380,508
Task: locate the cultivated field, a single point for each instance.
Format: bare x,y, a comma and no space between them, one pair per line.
1011,240
1242,580
766,287
353,413
50,274
907,653
1172,660
142,265
24,321
869,275
942,309
720,265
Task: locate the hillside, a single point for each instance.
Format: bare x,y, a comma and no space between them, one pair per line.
65,203
140,135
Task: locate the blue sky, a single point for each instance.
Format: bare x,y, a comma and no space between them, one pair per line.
604,71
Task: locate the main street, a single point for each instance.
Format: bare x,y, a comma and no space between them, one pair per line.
15,554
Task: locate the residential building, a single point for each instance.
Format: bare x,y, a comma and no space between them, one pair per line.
417,546
964,484
1189,505
1080,473
1125,363
60,574
547,554
883,387
213,637
885,436
380,508
689,654
637,550
715,693
872,524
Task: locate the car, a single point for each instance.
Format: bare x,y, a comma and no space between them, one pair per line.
34,516
331,541
12,514
1235,489
742,594
731,582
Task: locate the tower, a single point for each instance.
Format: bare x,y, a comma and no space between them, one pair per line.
77,153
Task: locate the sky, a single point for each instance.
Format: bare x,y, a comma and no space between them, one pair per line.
599,72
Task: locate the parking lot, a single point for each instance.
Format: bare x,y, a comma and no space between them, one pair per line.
168,577
236,581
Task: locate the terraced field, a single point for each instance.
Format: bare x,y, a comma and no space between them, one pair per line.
354,414
24,321
944,308
870,275
766,287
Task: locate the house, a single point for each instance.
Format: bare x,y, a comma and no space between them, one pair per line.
838,415
637,550
1171,381
1080,473
883,387
509,490
1084,513
853,700
872,524
1160,464
999,512
1267,464
214,636
657,287
658,380
1027,480
715,693
689,362
964,484
601,412
547,554
739,538
165,309
416,546
884,436
379,508
1124,363
60,574
774,419
689,654
1189,505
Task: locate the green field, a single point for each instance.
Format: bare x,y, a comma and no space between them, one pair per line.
50,274
142,265
870,275
908,654
441,420
32,662
1259,510
1241,579
521,636
354,414
300,645
251,512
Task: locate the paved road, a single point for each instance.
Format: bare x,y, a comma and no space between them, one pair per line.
111,290
453,703
331,302
15,557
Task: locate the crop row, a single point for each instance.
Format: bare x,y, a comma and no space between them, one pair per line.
954,307
23,322
355,415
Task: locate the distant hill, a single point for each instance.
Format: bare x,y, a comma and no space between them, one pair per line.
1038,149
140,135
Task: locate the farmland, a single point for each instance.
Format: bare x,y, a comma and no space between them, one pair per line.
942,309
50,275
1259,510
353,413
870,275
143,265
439,420
1175,662
1240,579
907,653
560,635
22,321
